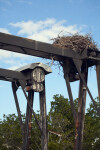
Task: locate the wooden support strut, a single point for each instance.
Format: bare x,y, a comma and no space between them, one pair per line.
43,117
81,110
14,88
38,123
98,78
83,80
26,128
43,125
70,97
28,122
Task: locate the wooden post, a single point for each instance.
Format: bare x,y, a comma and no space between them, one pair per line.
85,84
28,123
98,79
43,117
70,97
38,122
81,110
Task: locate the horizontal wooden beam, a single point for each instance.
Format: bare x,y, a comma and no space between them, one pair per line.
34,48
10,75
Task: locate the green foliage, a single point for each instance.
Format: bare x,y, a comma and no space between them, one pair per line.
10,134
92,128
35,142
60,126
61,122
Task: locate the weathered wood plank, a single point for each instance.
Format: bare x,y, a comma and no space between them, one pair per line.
43,118
32,47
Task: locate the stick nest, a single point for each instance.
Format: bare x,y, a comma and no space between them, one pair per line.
77,43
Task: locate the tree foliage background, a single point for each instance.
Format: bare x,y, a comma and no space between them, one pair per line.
60,126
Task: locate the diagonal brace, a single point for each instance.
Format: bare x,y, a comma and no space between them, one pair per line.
82,78
14,88
70,97
38,123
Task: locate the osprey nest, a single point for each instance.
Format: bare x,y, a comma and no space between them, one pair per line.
77,43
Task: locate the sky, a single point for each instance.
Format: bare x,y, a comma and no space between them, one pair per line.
43,20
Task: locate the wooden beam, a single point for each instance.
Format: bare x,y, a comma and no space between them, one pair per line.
98,79
34,48
70,97
83,80
28,122
81,110
9,75
43,118
38,122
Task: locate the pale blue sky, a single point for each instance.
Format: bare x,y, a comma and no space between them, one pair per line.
42,20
